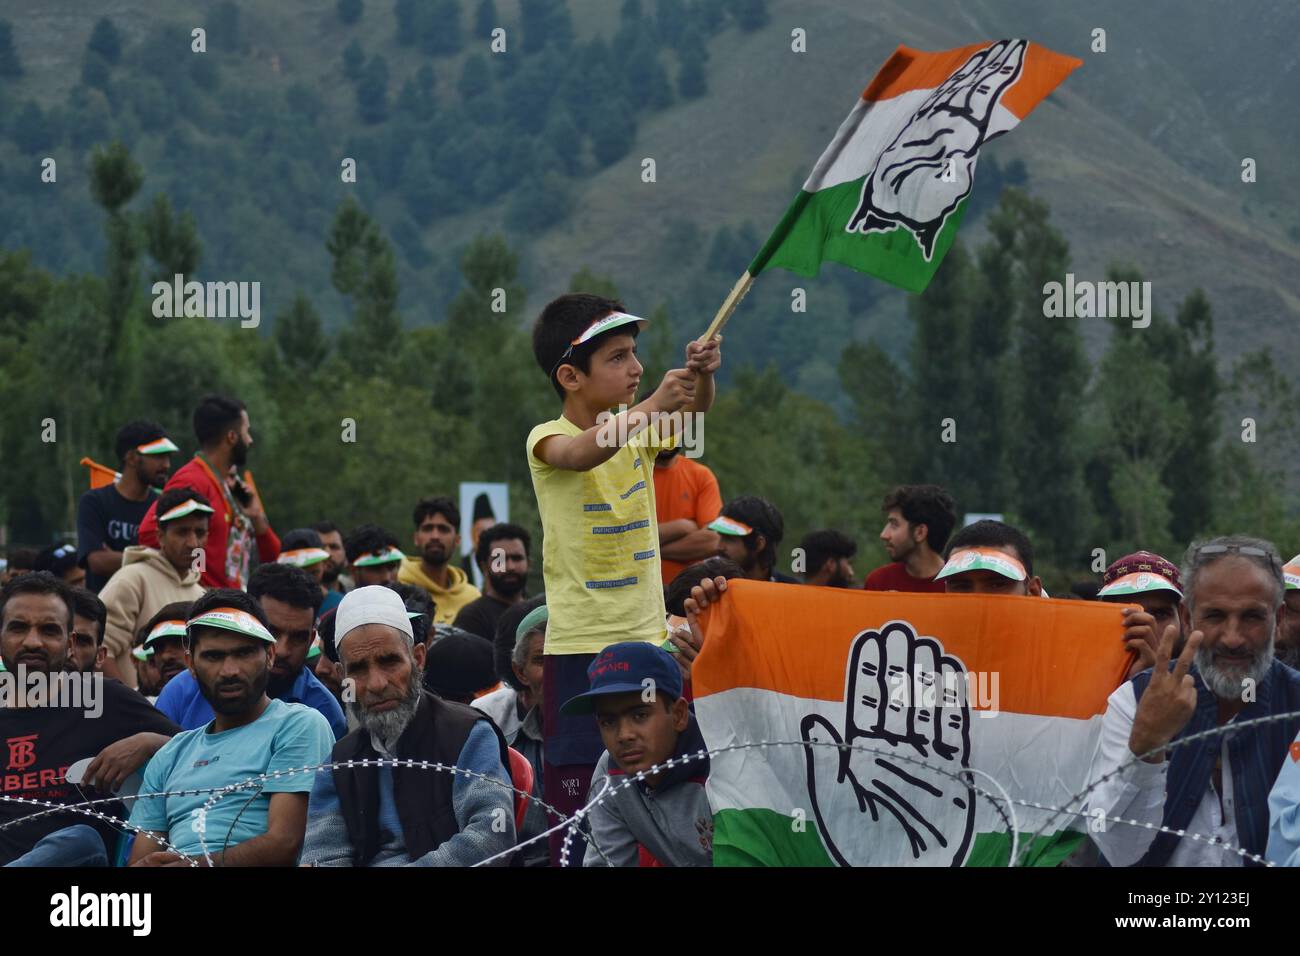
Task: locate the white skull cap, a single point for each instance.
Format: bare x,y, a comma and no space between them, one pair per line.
372,604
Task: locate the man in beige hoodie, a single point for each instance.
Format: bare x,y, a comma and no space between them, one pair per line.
437,539
154,577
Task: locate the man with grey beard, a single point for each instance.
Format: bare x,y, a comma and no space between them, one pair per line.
402,815
1215,787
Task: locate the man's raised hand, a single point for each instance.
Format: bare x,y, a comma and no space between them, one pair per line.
1169,700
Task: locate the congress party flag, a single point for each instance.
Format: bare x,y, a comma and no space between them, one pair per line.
928,687
890,191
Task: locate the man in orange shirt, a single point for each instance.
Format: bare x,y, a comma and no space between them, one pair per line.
686,500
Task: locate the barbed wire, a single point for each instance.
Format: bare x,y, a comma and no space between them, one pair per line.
1228,728
1003,804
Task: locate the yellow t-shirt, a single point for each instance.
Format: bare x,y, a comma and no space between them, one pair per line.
600,547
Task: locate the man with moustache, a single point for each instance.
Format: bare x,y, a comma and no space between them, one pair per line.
437,540
108,518
1216,787
289,598
230,654
502,555
117,727
334,578
239,524
405,816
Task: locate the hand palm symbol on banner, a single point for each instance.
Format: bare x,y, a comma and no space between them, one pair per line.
946,132
914,810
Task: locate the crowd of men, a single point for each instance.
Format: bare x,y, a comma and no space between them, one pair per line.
229,655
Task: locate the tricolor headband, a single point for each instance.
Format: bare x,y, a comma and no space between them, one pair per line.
183,509
983,559
725,525
371,558
612,321
234,620
303,557
164,629
1291,573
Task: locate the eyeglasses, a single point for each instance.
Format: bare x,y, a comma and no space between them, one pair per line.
1234,549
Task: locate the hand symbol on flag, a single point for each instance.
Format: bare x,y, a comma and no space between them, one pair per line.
929,168
903,695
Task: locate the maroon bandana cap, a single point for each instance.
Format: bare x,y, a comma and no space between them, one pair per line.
1140,561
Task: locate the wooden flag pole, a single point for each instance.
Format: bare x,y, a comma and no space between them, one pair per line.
729,305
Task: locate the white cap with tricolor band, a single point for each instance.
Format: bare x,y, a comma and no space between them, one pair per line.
724,525
159,446
183,509
613,320
372,558
303,557
234,620
983,559
165,629
1139,582
1291,574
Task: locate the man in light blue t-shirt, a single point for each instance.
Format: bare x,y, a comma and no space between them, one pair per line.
230,654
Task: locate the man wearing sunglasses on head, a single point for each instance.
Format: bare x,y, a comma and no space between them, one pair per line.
1213,790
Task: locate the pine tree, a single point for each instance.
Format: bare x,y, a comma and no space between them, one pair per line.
372,91
105,41
300,337
9,63
172,241
365,270
1196,385
1050,376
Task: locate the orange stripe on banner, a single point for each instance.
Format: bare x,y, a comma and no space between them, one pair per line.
1053,658
908,69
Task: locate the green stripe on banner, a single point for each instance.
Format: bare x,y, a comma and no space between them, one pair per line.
993,849
765,838
816,234
756,837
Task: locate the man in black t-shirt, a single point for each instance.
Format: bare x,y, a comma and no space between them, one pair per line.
42,738
108,518
502,556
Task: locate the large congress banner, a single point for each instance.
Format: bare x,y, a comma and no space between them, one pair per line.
927,687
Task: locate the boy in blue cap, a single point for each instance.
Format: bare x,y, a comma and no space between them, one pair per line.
664,818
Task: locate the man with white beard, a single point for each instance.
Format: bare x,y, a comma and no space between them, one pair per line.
1215,787
405,816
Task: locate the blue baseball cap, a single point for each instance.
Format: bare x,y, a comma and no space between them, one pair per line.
621,668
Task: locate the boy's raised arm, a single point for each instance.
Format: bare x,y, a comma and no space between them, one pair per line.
598,444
